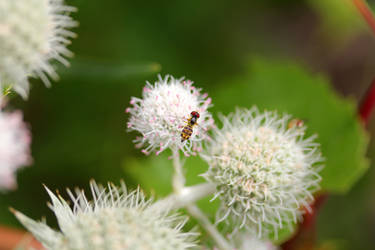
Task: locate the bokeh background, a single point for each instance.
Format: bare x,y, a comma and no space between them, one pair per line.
312,58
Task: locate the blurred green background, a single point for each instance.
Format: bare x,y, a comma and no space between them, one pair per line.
311,58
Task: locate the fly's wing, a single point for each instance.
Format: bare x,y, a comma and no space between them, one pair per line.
203,131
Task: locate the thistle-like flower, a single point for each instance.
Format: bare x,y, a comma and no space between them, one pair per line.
265,171
162,114
32,33
115,219
15,142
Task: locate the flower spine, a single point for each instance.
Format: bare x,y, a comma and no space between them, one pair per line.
32,33
264,171
15,142
114,219
162,113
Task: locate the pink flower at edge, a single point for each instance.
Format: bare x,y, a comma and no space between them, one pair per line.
15,140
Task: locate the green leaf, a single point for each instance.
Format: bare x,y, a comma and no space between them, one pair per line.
288,87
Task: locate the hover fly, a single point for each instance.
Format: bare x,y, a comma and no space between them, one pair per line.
187,131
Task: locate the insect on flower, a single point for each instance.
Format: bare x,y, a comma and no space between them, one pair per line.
187,131
296,123
161,114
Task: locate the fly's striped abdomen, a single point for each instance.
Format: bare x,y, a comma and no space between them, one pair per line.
187,131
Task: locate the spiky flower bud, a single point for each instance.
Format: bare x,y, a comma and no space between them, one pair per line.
32,33
162,113
15,142
114,219
264,170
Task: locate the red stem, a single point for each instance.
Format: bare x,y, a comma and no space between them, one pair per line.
365,12
368,104
305,236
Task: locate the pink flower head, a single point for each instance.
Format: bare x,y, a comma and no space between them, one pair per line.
162,113
15,142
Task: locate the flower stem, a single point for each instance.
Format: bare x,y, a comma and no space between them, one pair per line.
211,229
187,196
178,176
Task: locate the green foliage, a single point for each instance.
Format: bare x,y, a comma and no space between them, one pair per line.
287,87
345,217
154,175
90,70
339,17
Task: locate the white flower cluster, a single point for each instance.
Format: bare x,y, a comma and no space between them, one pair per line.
32,33
264,171
115,219
161,115
15,142
251,242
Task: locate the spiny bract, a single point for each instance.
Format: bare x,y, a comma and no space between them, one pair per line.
264,171
115,219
